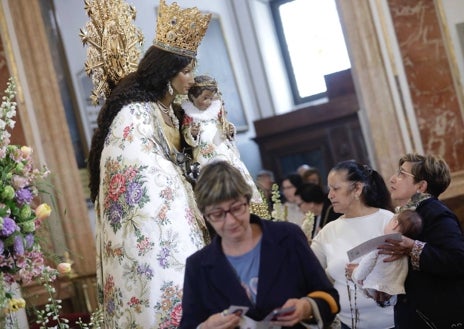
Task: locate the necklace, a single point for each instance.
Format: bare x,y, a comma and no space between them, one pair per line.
169,112
163,107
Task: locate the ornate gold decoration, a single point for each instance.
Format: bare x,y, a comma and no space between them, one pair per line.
114,44
180,31
260,210
210,83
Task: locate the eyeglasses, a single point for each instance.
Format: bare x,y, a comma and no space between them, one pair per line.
401,173
220,214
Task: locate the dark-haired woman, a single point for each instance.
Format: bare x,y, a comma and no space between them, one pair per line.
360,194
291,210
147,219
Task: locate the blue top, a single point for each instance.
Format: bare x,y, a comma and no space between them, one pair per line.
247,266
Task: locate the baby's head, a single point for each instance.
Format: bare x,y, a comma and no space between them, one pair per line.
407,222
203,92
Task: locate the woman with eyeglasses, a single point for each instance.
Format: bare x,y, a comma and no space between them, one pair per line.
435,282
361,195
259,264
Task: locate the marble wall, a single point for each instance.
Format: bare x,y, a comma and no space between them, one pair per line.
430,79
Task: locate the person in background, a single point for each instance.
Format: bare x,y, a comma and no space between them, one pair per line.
312,175
360,194
311,197
435,282
206,129
292,211
374,275
264,181
302,168
147,221
263,265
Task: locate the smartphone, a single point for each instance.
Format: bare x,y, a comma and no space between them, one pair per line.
282,312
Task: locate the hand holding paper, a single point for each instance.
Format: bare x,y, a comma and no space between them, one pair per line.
370,245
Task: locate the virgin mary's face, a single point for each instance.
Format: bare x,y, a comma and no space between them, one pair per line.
182,82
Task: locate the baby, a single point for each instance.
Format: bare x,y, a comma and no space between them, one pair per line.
206,129
373,274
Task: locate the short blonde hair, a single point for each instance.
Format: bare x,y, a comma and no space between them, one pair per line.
432,169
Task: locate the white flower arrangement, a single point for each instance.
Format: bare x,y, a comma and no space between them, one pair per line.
7,112
308,225
279,210
280,213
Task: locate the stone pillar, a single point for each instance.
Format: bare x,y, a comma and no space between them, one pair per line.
45,129
372,86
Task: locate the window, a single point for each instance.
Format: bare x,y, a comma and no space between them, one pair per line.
312,44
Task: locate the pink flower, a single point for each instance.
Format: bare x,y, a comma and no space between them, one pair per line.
187,120
19,182
176,315
117,186
127,130
134,301
64,268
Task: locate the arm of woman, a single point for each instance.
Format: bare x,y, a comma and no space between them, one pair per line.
323,297
442,251
438,250
194,313
317,247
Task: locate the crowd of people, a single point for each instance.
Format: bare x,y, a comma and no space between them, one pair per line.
178,244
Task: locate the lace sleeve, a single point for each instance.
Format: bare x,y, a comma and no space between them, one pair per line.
415,254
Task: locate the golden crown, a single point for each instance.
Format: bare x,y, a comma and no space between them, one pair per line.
208,83
114,44
180,31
